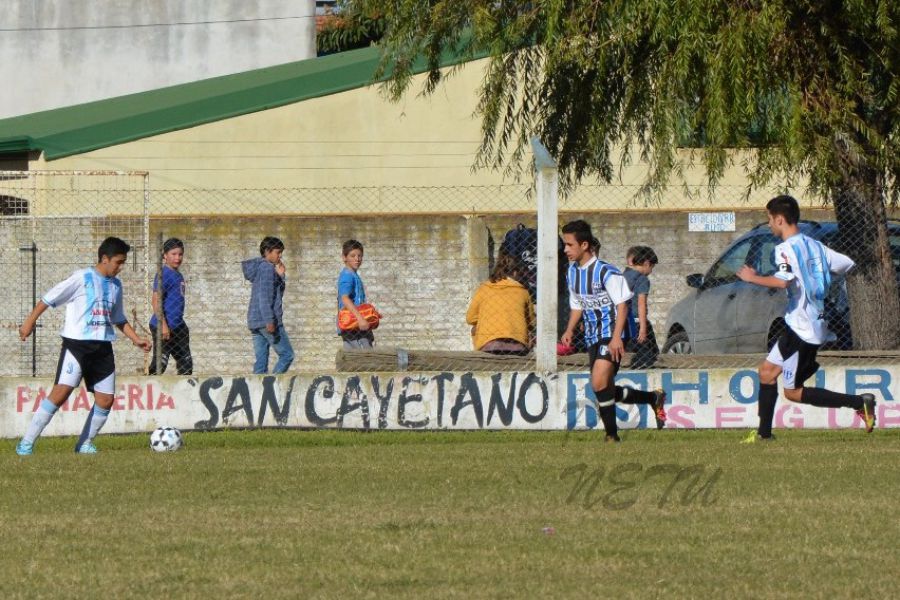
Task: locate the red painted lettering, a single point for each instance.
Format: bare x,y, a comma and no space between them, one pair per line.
678,417
729,416
794,419
134,396
165,401
833,422
23,395
81,400
888,415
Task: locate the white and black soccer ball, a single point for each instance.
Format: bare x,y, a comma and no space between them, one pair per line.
165,439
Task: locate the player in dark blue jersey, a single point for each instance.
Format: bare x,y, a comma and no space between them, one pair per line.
173,336
598,296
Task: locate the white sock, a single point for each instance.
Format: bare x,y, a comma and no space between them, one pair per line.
41,418
98,420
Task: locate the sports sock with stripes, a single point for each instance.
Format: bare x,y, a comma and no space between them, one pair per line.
41,418
629,395
92,425
606,406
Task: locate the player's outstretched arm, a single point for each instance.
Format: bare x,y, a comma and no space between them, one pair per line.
749,274
27,326
132,335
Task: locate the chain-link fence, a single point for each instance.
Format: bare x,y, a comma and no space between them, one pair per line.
427,253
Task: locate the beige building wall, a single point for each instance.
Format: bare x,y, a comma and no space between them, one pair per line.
356,152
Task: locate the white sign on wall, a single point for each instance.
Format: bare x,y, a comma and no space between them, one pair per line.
697,398
711,221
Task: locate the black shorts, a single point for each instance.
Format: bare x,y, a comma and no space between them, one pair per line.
796,358
600,351
89,359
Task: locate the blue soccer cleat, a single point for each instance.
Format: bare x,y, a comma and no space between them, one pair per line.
24,448
87,448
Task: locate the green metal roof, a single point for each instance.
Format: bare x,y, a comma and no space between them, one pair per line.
77,129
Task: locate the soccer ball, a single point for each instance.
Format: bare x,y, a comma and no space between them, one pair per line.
165,439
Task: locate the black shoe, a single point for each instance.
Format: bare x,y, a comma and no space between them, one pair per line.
867,412
611,438
659,408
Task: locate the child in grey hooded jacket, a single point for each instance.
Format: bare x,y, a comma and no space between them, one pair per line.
266,310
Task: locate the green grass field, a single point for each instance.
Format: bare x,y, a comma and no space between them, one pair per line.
290,514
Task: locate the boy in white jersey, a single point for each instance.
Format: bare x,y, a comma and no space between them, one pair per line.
93,299
804,269
598,295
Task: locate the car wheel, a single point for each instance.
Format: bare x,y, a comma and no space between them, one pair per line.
678,343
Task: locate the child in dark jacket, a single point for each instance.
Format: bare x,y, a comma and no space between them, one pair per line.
266,311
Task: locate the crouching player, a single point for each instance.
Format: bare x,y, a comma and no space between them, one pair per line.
804,268
93,299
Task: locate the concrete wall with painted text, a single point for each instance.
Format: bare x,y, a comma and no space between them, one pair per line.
444,401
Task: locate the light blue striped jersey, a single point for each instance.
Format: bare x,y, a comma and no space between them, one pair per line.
595,289
808,264
93,305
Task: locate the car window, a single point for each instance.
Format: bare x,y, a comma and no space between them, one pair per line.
725,268
765,256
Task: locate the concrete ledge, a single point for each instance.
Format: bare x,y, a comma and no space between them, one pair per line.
401,359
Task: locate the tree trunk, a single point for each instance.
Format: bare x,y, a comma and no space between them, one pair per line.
872,284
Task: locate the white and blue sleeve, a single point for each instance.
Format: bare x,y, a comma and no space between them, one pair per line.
64,291
837,262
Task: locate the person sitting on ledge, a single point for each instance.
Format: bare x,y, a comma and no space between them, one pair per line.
501,311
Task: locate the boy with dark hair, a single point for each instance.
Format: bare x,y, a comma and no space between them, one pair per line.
265,313
352,293
93,299
641,338
170,332
804,268
598,295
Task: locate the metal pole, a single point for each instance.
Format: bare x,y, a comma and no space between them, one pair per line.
33,250
33,304
546,190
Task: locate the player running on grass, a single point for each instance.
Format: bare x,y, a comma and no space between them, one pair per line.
599,294
804,270
93,299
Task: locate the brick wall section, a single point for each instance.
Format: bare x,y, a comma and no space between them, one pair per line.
411,270
420,272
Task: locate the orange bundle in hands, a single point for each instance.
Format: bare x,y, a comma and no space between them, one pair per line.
347,320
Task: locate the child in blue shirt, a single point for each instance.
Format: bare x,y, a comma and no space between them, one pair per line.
641,337
169,329
352,293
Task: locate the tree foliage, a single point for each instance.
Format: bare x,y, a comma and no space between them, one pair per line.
801,88
348,29
808,87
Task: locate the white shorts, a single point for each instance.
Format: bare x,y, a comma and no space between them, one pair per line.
796,358
89,359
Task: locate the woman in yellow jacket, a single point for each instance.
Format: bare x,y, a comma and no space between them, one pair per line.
501,312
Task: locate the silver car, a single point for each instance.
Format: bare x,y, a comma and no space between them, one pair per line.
724,315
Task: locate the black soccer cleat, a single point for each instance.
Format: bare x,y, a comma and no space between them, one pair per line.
867,412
